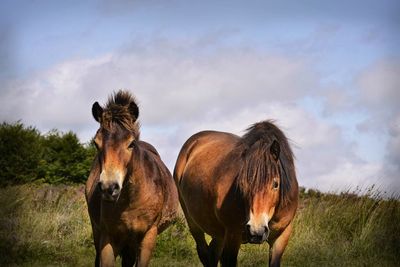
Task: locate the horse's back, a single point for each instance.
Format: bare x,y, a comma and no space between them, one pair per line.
204,150
148,147
197,180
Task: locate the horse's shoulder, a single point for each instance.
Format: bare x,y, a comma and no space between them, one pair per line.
148,148
151,156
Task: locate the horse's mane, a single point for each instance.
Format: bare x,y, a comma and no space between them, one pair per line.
259,166
118,111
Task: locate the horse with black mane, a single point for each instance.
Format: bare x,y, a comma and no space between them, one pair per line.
238,190
130,193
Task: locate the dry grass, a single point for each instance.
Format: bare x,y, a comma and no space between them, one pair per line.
44,225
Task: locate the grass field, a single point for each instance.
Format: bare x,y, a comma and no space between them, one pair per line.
44,225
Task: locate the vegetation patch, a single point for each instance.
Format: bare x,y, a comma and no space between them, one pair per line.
54,157
48,225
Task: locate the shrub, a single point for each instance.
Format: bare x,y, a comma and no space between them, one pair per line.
21,151
56,157
65,159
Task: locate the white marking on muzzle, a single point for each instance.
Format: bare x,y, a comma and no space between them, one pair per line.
109,177
259,224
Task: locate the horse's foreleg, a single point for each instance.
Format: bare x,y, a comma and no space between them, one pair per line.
97,260
278,246
107,257
146,247
96,238
128,256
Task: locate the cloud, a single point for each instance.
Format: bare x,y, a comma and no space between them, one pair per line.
185,86
350,175
379,89
375,97
50,99
392,156
379,85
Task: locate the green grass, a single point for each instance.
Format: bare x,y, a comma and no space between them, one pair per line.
44,225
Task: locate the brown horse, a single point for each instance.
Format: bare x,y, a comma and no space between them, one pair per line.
238,190
130,193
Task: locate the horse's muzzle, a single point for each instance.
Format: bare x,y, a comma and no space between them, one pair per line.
256,237
110,192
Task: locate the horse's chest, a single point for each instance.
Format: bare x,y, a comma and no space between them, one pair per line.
126,222
138,221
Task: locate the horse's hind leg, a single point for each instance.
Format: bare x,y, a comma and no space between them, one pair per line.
208,254
198,235
230,251
201,245
215,250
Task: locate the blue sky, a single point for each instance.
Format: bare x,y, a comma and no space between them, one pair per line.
63,29
327,72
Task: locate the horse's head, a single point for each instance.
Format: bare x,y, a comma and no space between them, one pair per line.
263,184
115,142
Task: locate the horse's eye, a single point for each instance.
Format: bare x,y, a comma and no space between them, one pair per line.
276,184
132,144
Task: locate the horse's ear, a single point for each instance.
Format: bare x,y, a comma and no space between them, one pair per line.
97,111
134,110
275,150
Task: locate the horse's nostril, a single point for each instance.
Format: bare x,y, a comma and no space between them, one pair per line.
116,187
113,189
248,227
266,228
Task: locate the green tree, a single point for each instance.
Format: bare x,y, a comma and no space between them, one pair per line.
65,159
26,156
20,152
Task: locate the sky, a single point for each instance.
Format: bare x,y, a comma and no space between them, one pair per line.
327,72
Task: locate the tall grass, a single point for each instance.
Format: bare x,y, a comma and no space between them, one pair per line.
46,225
346,230
43,225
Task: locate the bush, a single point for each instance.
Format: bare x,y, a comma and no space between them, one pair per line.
56,157
65,160
21,151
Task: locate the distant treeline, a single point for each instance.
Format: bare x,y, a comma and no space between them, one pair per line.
26,155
